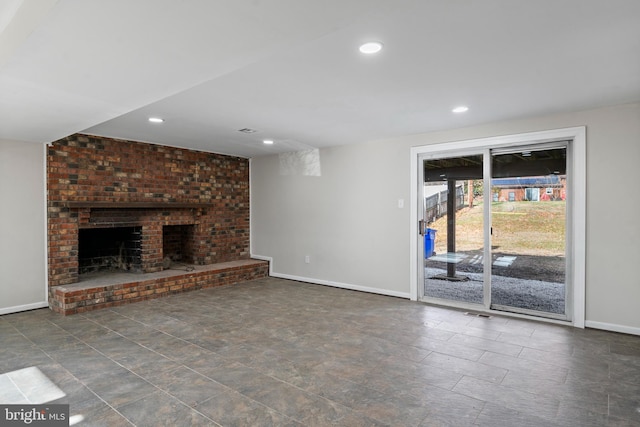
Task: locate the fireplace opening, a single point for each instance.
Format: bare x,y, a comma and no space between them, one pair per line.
177,245
110,249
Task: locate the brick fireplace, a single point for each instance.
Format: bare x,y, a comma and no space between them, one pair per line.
126,206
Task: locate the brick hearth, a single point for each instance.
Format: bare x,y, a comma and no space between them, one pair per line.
125,288
104,183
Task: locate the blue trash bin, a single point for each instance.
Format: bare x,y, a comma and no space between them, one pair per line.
429,242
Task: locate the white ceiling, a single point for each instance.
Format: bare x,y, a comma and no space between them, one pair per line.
291,68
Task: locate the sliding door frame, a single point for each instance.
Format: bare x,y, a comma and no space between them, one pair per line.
576,208
568,300
436,155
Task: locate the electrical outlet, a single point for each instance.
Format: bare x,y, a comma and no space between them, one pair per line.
307,259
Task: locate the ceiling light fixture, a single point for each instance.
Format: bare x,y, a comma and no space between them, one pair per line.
460,109
156,120
370,48
267,141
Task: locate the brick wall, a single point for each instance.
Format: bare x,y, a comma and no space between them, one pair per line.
102,182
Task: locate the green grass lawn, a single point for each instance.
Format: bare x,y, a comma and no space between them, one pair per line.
527,228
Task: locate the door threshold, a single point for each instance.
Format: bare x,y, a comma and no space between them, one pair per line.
534,313
479,308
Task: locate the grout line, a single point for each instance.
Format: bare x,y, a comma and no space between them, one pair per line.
71,374
128,370
18,388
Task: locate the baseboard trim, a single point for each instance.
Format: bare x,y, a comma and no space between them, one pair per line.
341,285
24,307
612,327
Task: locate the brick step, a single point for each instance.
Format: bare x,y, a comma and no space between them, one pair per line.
124,288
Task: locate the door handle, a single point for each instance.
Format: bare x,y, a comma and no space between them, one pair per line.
421,227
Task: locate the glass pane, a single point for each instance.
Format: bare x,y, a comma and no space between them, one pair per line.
528,216
454,239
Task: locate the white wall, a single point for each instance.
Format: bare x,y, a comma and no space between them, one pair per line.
348,221
22,227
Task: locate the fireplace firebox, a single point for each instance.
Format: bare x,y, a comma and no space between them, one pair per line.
110,249
177,245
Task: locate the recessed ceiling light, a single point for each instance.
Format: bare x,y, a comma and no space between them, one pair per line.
460,109
371,48
268,141
156,120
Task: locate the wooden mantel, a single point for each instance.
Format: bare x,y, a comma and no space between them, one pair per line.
72,204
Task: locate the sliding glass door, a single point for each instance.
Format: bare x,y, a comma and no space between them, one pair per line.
453,228
493,229
528,222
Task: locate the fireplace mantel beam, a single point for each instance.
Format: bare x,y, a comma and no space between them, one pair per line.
130,205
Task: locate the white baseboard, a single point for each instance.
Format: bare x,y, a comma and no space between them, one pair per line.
341,285
612,327
348,286
25,307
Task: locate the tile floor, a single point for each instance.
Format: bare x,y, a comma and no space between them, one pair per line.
274,352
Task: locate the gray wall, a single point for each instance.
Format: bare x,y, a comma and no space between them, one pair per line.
22,226
347,219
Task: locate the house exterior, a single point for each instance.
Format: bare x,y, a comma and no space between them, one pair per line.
532,189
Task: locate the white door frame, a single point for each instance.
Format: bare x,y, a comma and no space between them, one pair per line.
576,204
